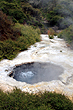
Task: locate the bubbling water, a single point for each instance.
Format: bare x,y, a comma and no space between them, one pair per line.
37,72
28,74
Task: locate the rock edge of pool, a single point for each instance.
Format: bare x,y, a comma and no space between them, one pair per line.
52,51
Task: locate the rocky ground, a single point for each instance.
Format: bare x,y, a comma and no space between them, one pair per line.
54,51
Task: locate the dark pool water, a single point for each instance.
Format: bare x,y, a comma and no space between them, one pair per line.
36,72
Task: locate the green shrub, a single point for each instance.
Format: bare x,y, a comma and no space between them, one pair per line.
14,10
22,12
18,100
53,17
51,37
28,32
10,48
29,36
67,34
51,33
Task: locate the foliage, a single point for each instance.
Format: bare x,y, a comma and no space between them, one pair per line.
6,30
53,17
21,12
33,15
51,37
28,32
51,33
14,10
9,48
29,10
67,34
57,12
18,100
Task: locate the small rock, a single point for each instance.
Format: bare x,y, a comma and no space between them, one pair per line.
6,70
60,50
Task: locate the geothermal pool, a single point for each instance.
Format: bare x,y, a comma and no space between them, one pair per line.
49,56
36,72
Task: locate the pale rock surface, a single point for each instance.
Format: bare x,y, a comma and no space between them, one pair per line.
48,50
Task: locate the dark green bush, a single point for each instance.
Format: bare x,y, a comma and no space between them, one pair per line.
18,100
22,12
14,10
67,34
51,37
9,48
29,36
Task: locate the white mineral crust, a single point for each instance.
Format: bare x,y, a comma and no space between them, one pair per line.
48,50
